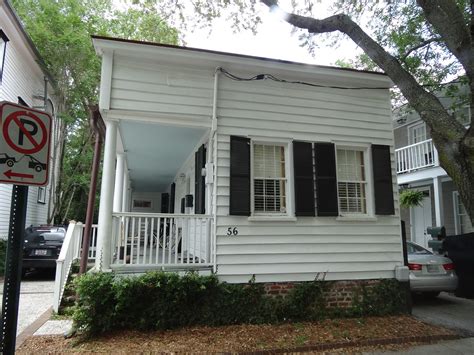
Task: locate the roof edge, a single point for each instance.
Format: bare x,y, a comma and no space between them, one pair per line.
245,56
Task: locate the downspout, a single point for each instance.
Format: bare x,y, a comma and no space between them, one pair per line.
99,129
213,156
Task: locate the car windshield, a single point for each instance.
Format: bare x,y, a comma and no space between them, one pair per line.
41,233
416,249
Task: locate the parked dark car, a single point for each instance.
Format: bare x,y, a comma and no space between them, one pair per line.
42,246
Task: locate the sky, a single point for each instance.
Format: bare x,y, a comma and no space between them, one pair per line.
273,40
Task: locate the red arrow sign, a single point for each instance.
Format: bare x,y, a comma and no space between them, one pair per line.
9,174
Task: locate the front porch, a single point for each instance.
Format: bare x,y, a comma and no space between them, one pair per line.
155,206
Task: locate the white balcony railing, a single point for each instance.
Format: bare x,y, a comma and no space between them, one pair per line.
416,156
150,240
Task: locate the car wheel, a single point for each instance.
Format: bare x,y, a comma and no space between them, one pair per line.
432,294
10,163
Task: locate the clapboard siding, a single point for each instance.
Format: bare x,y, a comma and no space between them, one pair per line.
22,77
308,275
278,250
146,86
299,250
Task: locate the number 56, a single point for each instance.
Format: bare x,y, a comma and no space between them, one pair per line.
232,231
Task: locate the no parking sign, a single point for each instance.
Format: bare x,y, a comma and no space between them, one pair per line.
25,145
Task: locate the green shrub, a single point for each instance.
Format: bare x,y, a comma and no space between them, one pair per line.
159,300
383,298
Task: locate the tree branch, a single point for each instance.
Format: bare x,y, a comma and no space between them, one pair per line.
448,20
426,104
418,46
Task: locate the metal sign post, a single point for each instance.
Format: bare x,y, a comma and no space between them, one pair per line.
25,136
11,287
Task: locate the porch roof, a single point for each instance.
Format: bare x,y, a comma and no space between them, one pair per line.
155,152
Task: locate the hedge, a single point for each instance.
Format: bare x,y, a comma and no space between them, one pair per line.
158,300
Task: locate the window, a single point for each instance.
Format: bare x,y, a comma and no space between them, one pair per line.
284,179
352,181
3,50
269,179
462,221
41,194
417,133
142,203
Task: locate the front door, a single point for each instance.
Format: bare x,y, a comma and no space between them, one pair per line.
421,219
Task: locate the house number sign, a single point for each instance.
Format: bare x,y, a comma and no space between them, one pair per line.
232,231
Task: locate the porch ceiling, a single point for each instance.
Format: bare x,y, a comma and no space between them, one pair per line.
155,152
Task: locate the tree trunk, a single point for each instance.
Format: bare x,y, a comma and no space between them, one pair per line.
455,143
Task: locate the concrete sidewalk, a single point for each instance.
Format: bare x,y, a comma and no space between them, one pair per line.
36,297
451,347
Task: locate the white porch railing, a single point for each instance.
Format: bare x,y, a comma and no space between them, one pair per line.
70,252
416,156
144,241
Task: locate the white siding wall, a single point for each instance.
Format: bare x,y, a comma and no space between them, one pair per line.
276,250
22,77
285,251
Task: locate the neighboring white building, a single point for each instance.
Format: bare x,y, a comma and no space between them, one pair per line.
418,168
22,80
208,163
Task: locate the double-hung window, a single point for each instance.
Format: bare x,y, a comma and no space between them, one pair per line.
269,179
309,179
351,181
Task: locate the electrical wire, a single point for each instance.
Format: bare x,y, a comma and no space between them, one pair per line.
274,78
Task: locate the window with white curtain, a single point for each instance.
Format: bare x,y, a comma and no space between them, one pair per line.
352,181
269,179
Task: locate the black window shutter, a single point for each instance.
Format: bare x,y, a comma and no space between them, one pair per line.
239,176
165,199
383,188
326,179
199,181
183,201
172,197
304,182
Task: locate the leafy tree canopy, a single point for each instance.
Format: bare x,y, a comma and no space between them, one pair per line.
61,31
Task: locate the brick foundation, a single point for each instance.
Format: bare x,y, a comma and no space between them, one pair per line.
340,293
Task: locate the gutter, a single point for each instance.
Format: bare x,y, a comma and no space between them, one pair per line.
213,160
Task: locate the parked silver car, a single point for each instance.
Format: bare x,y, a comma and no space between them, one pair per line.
429,273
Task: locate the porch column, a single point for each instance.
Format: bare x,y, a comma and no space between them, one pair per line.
119,177
438,199
104,230
126,182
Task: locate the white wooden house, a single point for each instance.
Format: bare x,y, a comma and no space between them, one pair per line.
418,168
245,165
24,80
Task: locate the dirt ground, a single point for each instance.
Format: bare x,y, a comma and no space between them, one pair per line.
241,338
